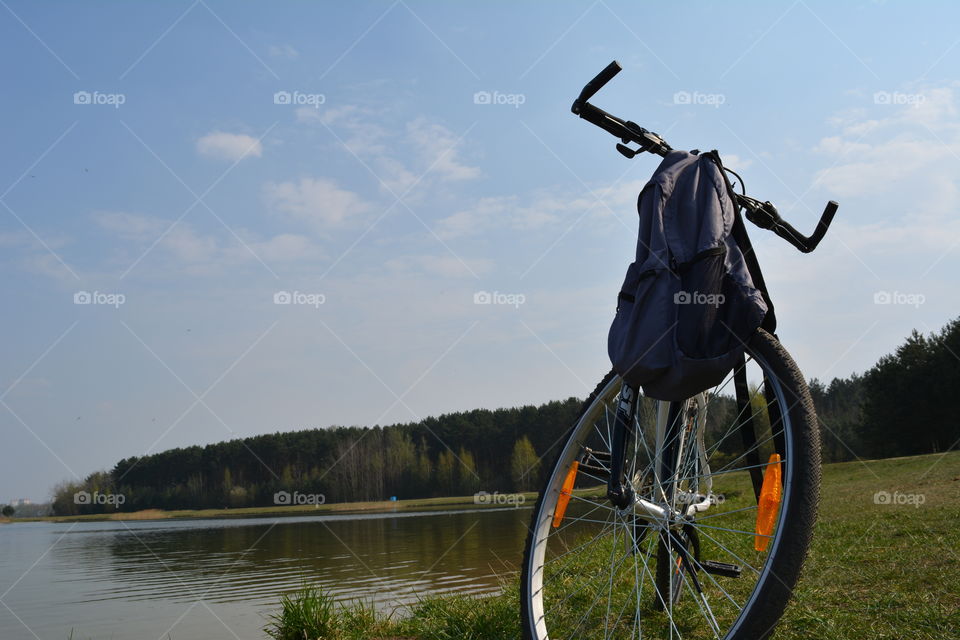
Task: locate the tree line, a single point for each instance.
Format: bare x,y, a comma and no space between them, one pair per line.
901,406
454,454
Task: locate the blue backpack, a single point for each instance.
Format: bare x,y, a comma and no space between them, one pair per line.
694,296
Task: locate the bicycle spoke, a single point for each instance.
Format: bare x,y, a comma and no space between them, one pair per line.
600,574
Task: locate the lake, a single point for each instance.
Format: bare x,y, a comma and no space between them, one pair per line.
220,578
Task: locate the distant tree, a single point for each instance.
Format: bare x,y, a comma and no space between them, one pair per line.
524,465
423,470
64,501
400,458
446,473
7,511
839,408
237,496
899,404
469,479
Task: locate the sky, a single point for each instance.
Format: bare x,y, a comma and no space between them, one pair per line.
221,219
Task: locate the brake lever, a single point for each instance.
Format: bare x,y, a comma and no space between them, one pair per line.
648,141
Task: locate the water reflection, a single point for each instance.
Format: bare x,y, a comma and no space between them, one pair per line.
103,575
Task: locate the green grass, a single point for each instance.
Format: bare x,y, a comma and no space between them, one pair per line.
878,571
883,571
311,614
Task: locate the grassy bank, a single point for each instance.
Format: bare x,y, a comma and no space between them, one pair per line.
382,506
884,571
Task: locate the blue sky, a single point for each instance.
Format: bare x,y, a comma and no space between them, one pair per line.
179,192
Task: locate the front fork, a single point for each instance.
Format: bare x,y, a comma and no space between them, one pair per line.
619,491
672,418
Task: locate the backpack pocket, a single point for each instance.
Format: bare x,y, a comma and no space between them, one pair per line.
701,303
641,343
716,316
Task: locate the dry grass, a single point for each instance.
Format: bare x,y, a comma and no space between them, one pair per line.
146,514
381,506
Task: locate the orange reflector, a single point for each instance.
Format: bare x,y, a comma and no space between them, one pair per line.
565,492
771,493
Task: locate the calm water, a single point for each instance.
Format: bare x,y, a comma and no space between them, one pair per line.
219,578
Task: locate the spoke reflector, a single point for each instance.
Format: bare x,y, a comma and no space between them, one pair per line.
565,492
768,506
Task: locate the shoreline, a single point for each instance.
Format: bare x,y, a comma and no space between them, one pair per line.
465,503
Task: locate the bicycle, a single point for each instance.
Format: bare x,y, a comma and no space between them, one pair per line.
683,519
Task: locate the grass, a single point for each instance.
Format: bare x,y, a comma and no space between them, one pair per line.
311,614
381,506
883,571
879,571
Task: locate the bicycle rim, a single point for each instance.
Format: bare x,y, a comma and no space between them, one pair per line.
595,574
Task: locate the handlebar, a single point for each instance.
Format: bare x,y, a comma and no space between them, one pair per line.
765,216
597,83
625,130
762,214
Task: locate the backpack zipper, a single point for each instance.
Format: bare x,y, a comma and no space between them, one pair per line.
713,251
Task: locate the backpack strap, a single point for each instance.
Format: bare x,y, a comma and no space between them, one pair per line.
747,429
739,233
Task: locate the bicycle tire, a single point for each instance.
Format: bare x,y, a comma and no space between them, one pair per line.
783,565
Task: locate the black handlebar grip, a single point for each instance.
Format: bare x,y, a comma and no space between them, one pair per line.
596,84
828,212
804,243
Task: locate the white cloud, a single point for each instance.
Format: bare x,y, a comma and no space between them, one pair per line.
130,225
286,247
544,209
15,239
229,146
283,51
39,256
347,113
446,266
485,214
736,163
437,147
318,202
46,264
398,155
205,252
908,151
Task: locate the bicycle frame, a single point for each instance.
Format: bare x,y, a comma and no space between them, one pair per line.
675,433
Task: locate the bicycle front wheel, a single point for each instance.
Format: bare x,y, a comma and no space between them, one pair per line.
716,539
